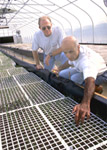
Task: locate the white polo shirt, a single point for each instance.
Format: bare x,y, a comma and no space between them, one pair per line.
89,62
48,44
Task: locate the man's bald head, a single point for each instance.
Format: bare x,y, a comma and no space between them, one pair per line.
70,47
69,43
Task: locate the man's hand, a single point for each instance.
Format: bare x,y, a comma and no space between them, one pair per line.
81,110
53,53
55,71
47,59
39,66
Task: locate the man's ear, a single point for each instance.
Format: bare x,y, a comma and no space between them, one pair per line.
79,46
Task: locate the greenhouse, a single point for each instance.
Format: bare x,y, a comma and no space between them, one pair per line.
36,105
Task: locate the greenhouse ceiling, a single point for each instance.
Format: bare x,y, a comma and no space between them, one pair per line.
81,18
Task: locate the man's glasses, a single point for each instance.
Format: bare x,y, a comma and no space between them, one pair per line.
44,28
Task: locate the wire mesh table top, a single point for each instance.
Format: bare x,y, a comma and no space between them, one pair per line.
35,116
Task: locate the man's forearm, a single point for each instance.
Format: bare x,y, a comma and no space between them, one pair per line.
56,52
88,90
36,57
64,66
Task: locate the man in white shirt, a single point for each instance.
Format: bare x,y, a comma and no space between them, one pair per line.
49,39
84,66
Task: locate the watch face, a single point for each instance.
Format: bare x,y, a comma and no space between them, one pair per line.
105,2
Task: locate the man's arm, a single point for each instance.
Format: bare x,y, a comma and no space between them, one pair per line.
83,109
64,66
57,51
54,53
36,59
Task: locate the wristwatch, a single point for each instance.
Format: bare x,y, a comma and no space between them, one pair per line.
50,54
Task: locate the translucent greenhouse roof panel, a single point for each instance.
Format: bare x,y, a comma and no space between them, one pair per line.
87,20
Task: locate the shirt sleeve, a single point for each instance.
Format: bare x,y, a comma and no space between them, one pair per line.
90,71
35,45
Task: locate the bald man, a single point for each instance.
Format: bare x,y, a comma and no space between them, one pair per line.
49,39
84,66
